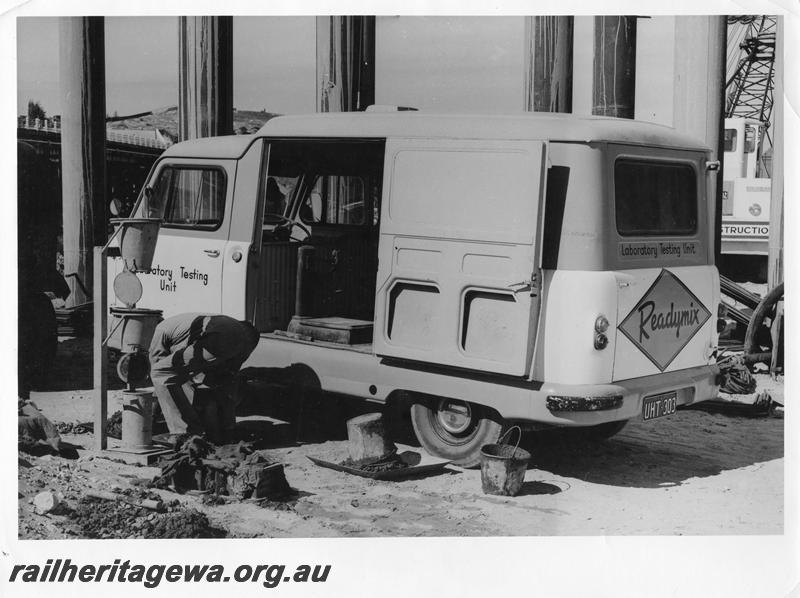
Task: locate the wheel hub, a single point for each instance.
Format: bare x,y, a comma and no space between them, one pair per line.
454,416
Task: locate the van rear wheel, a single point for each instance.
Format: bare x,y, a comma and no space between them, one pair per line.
455,430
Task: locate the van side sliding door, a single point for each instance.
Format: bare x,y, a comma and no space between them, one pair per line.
458,251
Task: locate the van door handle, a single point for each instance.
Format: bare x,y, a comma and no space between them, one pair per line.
518,287
212,252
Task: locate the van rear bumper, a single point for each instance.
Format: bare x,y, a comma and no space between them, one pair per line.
590,404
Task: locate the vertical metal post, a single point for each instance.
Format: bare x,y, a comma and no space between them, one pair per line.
775,263
699,95
100,352
83,151
614,80
345,63
548,64
205,77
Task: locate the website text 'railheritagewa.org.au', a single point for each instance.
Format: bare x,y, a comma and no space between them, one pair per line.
62,571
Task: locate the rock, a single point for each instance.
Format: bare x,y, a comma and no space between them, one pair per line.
45,502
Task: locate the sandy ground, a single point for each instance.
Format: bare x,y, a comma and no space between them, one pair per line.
690,473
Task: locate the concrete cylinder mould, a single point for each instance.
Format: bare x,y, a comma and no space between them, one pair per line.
137,419
137,241
136,330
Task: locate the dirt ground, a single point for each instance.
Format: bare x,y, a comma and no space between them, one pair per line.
694,472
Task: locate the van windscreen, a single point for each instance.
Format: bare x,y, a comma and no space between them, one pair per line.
655,198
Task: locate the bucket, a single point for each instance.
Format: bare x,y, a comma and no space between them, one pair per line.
503,466
137,419
135,331
137,241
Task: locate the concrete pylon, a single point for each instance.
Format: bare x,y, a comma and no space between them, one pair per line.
83,149
205,77
699,93
548,64
776,233
345,63
614,80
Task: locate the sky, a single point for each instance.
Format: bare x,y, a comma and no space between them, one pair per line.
435,63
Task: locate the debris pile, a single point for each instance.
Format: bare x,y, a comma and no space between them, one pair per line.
736,377
120,519
239,473
389,463
36,434
113,426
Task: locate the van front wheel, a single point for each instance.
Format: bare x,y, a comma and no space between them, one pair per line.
455,430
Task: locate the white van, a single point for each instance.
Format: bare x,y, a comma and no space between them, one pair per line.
548,270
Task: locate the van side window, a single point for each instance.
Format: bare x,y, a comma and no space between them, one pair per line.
337,200
329,182
655,198
279,191
188,198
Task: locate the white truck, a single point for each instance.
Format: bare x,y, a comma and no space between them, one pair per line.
746,190
547,270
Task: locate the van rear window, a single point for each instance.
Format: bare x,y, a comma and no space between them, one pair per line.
655,198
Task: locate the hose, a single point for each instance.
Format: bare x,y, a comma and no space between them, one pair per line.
763,310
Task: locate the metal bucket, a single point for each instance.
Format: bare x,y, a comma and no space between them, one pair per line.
133,328
137,419
503,466
137,241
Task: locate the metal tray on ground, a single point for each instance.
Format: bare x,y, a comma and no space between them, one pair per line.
418,464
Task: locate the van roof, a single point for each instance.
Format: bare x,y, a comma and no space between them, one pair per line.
407,124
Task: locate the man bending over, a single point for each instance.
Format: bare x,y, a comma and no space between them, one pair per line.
192,351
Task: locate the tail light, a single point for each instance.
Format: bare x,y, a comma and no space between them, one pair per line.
600,327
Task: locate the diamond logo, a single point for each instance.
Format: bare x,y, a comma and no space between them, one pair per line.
666,318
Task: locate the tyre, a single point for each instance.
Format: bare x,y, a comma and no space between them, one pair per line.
455,430
600,431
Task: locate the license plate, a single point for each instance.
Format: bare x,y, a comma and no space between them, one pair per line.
659,405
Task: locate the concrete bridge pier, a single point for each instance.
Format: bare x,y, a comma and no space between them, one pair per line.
83,149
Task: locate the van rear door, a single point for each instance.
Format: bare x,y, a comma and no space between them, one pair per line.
458,256
668,285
